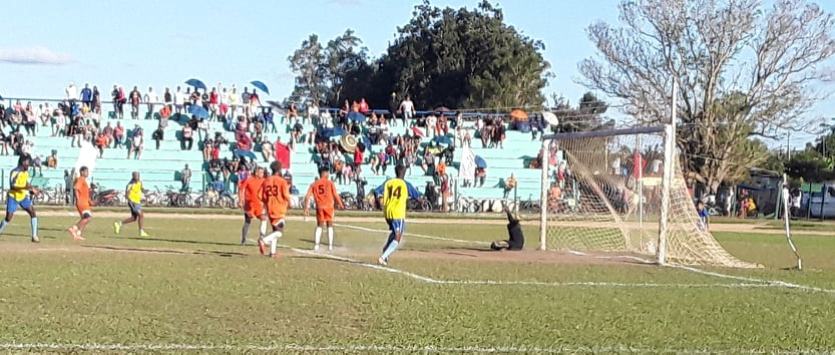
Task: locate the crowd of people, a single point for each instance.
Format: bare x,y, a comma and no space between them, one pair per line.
204,114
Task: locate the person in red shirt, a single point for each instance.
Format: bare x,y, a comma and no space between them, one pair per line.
82,204
323,191
275,194
249,195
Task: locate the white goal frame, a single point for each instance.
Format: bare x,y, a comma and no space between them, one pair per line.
666,182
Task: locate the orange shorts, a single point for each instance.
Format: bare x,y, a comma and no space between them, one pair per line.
84,210
277,221
253,209
324,215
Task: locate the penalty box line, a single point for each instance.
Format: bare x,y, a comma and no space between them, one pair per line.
745,282
430,280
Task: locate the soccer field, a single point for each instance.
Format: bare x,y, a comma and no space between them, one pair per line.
191,287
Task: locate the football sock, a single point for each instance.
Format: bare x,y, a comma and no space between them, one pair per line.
317,236
262,231
34,224
330,238
3,225
273,245
244,232
391,248
388,242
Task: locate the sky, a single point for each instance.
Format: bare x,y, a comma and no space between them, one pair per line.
159,43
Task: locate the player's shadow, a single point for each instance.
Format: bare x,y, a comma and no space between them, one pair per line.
182,241
168,251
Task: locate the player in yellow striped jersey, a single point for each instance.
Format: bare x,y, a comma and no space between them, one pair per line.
19,191
134,193
396,194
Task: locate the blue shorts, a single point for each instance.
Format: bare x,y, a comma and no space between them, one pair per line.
397,225
12,204
135,208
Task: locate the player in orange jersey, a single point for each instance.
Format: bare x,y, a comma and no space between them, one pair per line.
82,203
324,193
275,194
249,197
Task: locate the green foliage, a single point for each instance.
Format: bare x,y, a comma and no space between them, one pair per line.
587,116
442,57
308,63
193,284
811,166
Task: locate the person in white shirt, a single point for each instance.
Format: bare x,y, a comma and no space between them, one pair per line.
150,98
72,92
407,108
179,98
233,101
431,122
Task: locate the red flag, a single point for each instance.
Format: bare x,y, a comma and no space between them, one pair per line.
282,154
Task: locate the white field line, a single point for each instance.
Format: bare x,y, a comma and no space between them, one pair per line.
64,347
747,281
430,280
411,234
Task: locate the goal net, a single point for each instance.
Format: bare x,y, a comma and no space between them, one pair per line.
611,192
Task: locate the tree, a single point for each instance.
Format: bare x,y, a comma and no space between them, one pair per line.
464,59
308,63
587,116
346,66
741,72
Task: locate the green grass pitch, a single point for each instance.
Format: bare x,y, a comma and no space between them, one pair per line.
191,287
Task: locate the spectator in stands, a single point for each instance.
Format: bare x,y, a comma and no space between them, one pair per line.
135,99
407,109
245,97
158,135
69,196
187,139
30,119
87,96
72,92
509,185
168,100
480,176
431,124
254,101
179,99
118,105
267,150
393,105
137,142
101,142
164,115
292,112
444,184
150,99
96,100
363,109
233,100
52,160
185,179
214,101
118,135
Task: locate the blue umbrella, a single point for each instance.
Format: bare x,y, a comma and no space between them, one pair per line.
331,132
443,140
244,153
261,86
198,111
196,83
479,162
356,116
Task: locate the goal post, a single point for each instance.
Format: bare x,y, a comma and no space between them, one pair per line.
622,191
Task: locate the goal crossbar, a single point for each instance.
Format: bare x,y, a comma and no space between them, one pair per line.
604,133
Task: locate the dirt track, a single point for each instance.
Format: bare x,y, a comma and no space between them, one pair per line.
717,227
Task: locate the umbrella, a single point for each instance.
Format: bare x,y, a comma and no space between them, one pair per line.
331,132
198,111
261,86
356,116
479,162
417,132
519,115
196,83
442,109
348,143
551,118
443,140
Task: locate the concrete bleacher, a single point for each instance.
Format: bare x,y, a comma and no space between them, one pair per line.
159,167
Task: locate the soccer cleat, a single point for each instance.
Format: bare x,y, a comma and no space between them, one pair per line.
382,261
35,239
117,227
262,247
142,234
274,256
316,248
